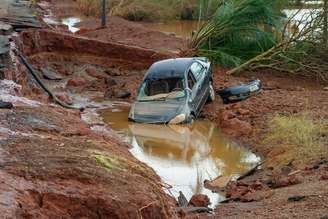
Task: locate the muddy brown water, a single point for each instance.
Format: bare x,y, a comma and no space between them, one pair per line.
182,28
182,155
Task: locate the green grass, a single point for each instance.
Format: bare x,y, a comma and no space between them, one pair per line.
302,137
109,162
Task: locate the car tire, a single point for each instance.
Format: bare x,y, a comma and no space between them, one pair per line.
211,95
191,119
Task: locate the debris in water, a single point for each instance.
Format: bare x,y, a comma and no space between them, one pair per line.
6,105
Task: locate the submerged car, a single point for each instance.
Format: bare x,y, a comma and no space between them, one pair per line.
174,91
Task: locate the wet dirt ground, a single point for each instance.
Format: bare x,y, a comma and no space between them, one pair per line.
50,184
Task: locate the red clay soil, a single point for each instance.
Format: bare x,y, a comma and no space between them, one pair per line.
131,33
281,94
117,29
49,167
44,41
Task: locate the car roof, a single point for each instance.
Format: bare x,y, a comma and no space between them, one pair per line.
169,68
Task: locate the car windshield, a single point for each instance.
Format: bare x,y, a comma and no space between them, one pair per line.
161,89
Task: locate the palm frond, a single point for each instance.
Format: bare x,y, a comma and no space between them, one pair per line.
239,29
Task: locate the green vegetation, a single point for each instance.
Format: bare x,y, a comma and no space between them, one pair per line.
238,31
299,135
109,162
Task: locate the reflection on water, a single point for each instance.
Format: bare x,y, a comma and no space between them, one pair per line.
183,156
182,28
71,22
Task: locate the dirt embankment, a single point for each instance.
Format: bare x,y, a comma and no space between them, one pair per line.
52,164
117,29
126,32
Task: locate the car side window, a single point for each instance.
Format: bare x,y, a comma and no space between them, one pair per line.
191,80
197,70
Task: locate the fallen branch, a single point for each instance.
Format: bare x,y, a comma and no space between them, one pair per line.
251,171
298,53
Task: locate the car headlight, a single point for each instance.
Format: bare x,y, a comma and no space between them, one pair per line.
178,119
131,113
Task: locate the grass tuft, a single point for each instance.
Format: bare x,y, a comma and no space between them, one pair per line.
302,137
110,163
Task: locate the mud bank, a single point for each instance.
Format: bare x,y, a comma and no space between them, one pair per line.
131,57
53,165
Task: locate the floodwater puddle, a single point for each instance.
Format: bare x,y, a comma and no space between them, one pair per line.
182,28
183,156
71,22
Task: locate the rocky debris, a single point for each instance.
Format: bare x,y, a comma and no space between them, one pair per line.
234,126
243,112
324,217
324,177
240,191
76,82
217,184
117,92
111,82
20,16
199,200
281,180
50,74
113,72
65,98
5,29
6,105
286,170
96,74
296,198
319,163
4,51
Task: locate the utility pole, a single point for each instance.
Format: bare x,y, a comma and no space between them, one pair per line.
103,16
325,21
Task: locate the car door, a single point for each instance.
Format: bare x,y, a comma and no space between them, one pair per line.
199,73
192,85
